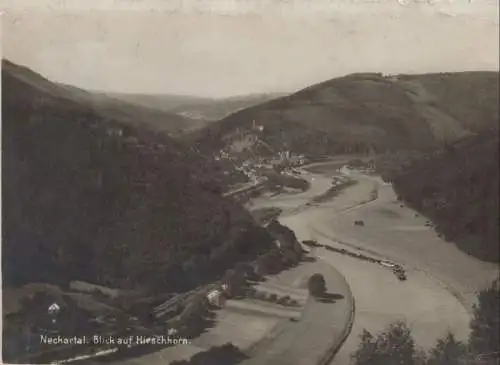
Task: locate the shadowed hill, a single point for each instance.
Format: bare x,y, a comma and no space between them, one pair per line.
367,112
201,109
217,109
83,202
106,106
457,188
165,102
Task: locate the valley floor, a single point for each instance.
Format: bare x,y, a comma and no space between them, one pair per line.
442,281
436,297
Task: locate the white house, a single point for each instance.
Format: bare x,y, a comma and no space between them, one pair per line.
115,132
171,332
277,243
216,298
53,309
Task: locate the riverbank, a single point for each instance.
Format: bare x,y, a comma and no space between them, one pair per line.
430,308
321,330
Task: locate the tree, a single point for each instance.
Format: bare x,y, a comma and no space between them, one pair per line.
355,163
260,295
366,350
284,300
191,268
242,268
195,316
224,354
317,285
448,351
235,280
290,257
273,298
395,346
484,338
272,261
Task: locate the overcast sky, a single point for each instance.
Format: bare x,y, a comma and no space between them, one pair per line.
255,47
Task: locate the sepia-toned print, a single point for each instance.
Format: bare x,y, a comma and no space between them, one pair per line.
250,183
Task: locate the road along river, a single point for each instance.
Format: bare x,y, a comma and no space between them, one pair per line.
442,281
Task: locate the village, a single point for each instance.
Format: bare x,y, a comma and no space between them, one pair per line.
182,317
185,317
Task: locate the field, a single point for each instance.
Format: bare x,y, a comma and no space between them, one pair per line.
247,323
242,327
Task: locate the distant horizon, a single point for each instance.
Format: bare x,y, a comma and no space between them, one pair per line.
286,92
236,96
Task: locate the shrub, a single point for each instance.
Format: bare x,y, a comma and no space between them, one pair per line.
317,285
253,276
273,298
251,292
284,300
217,355
485,327
260,295
355,163
448,351
395,346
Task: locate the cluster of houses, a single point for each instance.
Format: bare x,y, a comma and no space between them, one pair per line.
255,168
235,281
223,155
250,170
287,158
251,164
367,170
181,313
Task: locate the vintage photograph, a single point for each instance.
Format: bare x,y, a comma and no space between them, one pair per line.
220,182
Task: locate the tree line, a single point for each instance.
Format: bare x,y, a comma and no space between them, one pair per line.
396,345
456,187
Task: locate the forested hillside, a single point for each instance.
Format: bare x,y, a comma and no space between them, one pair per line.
88,198
457,188
365,113
107,107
